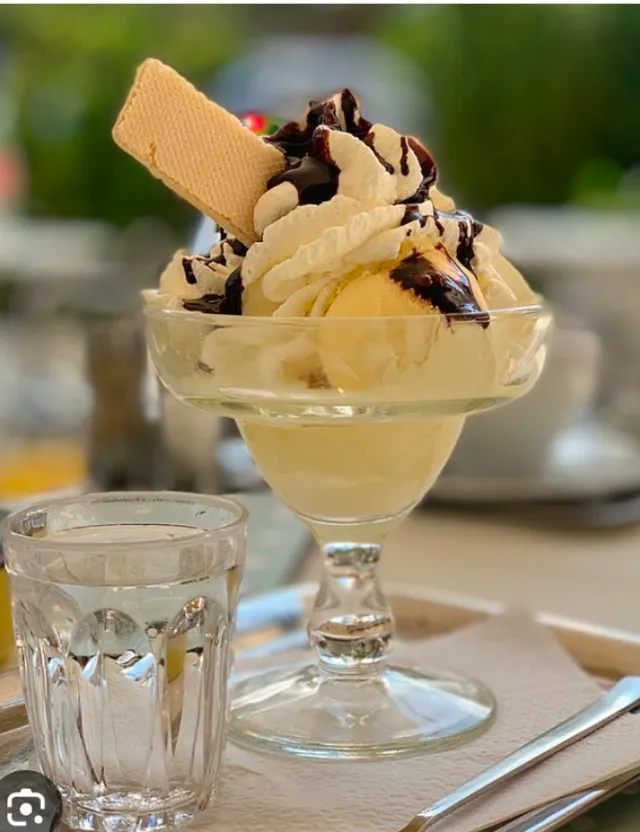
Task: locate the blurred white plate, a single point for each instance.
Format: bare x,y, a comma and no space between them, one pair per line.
585,462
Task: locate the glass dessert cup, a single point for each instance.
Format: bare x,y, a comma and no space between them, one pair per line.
350,421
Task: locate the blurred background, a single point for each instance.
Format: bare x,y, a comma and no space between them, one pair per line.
532,113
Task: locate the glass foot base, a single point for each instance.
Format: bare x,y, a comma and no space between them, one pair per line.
298,709
159,814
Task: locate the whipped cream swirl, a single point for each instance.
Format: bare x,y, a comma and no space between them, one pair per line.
351,195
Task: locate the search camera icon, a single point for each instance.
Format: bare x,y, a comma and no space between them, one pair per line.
29,802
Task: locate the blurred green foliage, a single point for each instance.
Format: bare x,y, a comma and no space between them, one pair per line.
533,104
72,67
526,98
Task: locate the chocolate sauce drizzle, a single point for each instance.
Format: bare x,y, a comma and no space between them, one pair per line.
428,169
314,180
404,164
233,289
452,296
294,140
237,247
189,275
310,168
411,214
354,123
210,304
468,230
369,141
229,303
464,251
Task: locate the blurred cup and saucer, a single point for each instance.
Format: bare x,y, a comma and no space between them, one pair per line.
546,446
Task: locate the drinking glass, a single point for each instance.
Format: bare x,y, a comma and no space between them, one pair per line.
350,420
123,607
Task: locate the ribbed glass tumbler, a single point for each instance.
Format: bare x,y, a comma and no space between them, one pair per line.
123,606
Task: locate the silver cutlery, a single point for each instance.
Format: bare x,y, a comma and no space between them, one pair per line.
552,815
621,698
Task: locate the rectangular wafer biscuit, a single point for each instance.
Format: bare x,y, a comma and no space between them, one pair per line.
196,148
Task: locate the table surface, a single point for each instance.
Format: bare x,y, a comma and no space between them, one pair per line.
591,575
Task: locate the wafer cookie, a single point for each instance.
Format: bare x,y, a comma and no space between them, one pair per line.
196,148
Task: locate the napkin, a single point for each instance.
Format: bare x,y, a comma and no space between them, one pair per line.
536,685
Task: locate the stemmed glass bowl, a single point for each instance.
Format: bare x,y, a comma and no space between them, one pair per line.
350,421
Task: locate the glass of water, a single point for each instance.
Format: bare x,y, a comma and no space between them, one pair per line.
123,607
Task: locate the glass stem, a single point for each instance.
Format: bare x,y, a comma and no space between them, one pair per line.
351,624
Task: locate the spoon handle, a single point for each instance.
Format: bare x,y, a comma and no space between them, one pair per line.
621,698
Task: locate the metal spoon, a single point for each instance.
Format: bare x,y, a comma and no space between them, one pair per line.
621,698
553,815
